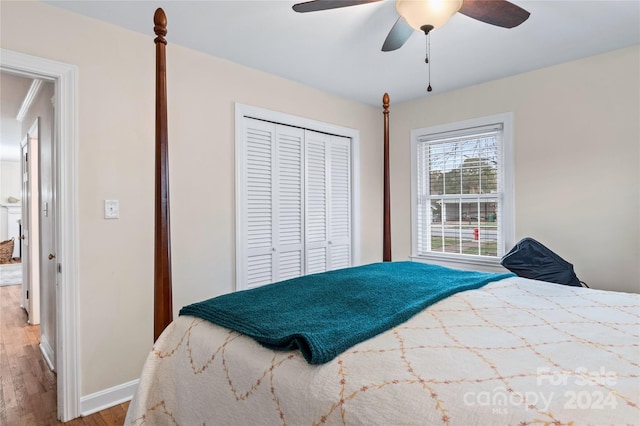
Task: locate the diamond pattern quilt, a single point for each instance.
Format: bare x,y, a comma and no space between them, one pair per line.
516,351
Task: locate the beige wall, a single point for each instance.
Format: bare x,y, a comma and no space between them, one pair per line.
10,182
577,160
116,145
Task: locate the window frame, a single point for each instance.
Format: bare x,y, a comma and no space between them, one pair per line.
507,224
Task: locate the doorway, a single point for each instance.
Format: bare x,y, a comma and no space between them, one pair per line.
63,215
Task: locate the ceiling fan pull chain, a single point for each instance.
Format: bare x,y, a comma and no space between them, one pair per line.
426,47
429,89
427,30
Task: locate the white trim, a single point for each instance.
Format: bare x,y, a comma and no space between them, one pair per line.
507,238
355,195
31,209
461,261
47,352
241,111
240,183
508,182
66,170
107,398
28,100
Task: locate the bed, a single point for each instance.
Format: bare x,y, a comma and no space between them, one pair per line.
506,351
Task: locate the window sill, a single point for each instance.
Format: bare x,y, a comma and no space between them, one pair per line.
466,262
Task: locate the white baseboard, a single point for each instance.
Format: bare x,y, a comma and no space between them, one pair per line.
98,401
47,353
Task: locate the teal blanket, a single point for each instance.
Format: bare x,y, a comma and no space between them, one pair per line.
325,314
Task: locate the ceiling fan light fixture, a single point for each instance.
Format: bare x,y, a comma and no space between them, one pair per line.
418,13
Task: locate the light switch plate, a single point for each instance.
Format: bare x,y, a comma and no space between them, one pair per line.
111,209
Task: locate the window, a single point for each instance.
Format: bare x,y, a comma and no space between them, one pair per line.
462,186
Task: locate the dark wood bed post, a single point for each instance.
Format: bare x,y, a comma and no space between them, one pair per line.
386,239
163,306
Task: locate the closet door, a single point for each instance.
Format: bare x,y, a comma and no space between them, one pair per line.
293,203
317,206
339,186
273,201
257,195
328,213
289,203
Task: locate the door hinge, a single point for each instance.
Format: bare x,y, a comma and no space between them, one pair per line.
26,157
59,268
27,294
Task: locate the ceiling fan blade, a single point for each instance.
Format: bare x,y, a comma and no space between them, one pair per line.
316,5
495,12
399,34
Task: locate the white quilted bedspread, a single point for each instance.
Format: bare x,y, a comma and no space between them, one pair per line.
517,352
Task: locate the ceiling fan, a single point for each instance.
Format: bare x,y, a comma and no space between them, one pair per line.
426,15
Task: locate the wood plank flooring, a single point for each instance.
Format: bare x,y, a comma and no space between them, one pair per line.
27,386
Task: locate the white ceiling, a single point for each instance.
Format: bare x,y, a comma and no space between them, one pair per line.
338,50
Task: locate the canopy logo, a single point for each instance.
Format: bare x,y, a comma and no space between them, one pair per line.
500,399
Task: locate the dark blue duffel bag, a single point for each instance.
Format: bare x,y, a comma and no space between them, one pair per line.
531,259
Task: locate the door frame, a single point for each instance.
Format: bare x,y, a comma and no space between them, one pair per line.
65,77
30,212
24,212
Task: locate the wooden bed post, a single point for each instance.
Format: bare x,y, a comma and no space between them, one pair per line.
386,239
163,306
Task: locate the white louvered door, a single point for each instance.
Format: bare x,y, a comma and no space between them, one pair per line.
328,213
339,203
289,203
258,166
317,211
295,203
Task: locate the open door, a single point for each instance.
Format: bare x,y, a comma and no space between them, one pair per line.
30,234
24,222
48,237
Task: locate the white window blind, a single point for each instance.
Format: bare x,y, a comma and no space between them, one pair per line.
459,191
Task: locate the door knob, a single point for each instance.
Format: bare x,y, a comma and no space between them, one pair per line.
52,256
22,237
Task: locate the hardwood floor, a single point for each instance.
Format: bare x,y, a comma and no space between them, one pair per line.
27,386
